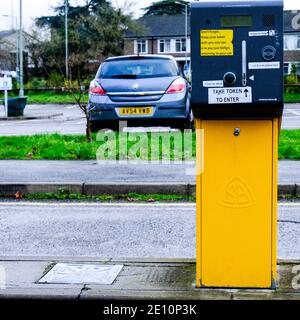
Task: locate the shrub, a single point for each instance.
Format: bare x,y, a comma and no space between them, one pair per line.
36,83
55,80
292,90
291,79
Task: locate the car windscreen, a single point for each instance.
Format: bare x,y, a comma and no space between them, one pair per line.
137,68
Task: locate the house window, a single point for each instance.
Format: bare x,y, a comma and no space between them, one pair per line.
141,46
286,68
285,43
291,42
164,45
180,45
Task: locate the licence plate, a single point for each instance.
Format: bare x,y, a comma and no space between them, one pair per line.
136,111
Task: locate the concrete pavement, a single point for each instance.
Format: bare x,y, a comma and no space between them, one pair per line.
139,279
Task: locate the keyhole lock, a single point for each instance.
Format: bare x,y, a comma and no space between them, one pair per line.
237,132
229,78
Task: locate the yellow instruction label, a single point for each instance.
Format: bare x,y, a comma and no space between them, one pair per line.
216,42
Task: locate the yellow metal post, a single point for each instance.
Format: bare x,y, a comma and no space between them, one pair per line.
199,168
236,203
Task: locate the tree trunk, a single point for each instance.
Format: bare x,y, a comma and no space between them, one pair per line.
88,130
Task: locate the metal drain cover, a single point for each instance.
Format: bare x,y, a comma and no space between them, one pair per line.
69,273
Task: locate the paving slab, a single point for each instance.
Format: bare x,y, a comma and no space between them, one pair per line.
21,281
22,273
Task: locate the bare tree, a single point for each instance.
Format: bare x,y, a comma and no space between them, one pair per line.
128,7
77,95
75,88
95,32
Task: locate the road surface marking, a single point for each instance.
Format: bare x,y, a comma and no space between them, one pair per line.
121,204
14,123
297,113
93,204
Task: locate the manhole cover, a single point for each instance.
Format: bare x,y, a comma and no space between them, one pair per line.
68,273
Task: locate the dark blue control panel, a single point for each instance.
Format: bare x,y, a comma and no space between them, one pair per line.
237,59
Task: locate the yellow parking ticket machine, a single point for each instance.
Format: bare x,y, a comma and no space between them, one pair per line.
237,101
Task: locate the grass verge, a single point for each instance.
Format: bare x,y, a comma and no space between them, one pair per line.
49,97
53,98
112,146
132,146
291,97
131,197
289,145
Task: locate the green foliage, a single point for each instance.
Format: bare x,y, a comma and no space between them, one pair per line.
36,83
289,146
95,32
166,7
15,84
55,79
50,97
293,69
291,79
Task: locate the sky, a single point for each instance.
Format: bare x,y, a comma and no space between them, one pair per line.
37,8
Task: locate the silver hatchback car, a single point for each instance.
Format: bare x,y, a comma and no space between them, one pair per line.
141,90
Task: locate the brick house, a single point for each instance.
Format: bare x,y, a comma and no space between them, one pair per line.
291,41
160,35
8,50
9,54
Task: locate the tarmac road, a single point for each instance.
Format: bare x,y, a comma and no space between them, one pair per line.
73,122
89,171
117,230
291,116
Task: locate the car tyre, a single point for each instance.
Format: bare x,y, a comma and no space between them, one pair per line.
99,125
94,125
188,122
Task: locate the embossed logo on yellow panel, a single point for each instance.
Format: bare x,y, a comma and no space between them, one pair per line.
237,194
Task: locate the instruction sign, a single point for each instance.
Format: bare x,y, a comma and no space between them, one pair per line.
264,65
230,95
213,83
5,83
216,42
